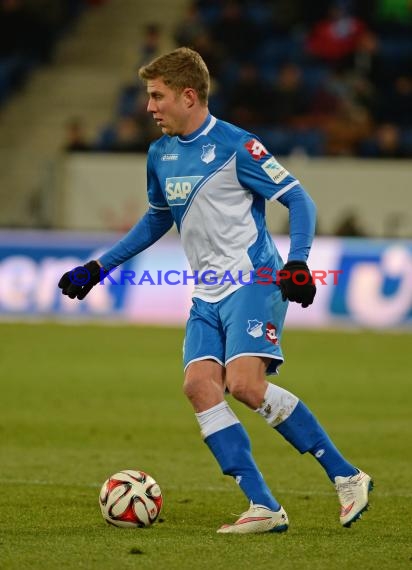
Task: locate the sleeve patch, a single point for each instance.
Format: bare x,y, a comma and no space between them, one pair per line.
274,170
256,149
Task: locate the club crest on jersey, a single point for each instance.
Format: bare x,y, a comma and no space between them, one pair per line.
254,328
208,153
256,149
274,170
179,188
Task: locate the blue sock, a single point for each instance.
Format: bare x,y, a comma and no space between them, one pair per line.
231,447
304,432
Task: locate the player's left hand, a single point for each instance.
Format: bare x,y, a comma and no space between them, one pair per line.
296,283
79,281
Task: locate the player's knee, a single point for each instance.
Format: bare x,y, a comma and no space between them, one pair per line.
203,392
241,389
191,387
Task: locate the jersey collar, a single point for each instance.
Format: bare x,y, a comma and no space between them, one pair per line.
204,128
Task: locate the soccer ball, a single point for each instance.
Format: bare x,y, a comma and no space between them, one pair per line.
130,499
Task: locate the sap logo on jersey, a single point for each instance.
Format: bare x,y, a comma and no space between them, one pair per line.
274,170
179,188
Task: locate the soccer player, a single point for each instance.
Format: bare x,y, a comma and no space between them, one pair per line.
212,178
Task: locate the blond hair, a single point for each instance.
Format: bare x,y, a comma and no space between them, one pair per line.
179,69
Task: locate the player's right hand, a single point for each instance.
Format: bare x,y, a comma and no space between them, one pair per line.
80,281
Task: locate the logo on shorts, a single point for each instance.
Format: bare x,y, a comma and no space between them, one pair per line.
271,333
255,328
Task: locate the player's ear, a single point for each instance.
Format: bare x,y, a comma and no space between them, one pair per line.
189,96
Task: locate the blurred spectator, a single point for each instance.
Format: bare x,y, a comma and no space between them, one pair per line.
245,103
328,96
150,45
75,138
211,52
190,26
232,31
315,77
128,136
366,60
363,93
349,226
336,38
345,129
395,105
144,119
385,142
287,99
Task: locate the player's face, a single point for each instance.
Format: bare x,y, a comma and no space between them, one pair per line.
168,108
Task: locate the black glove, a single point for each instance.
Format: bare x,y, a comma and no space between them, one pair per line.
80,280
296,284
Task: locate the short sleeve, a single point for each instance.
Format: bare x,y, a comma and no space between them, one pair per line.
259,171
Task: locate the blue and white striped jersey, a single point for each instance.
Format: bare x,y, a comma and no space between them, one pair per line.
213,184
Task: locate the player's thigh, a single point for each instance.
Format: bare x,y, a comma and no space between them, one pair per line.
204,338
204,356
253,319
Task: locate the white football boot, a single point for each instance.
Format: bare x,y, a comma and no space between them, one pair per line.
258,519
353,494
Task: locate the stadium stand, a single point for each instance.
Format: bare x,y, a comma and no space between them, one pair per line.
29,32
314,79
70,94
333,80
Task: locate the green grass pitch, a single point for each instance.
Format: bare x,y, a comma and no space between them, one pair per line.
79,403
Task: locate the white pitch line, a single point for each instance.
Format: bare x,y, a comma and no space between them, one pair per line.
404,494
